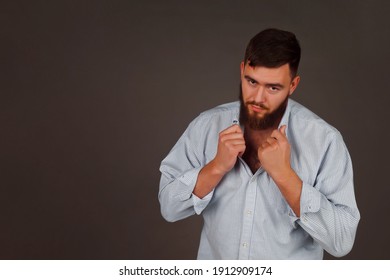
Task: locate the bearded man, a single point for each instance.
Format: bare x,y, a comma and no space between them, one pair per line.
271,179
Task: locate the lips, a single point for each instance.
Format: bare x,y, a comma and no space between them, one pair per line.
256,108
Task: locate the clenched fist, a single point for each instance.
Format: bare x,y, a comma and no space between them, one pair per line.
231,144
274,154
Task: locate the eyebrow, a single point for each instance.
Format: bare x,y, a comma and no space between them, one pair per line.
268,85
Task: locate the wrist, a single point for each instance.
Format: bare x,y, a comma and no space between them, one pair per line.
285,177
209,177
290,185
217,169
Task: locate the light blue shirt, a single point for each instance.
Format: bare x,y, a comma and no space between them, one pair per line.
246,216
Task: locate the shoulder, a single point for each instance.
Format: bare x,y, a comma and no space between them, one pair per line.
202,133
315,140
311,130
304,119
220,116
222,110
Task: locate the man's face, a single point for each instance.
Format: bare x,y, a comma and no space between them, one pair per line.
264,94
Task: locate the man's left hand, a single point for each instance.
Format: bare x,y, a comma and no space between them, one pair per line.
274,154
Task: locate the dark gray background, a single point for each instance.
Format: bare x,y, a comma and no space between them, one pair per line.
94,94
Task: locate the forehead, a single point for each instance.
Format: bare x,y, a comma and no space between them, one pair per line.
269,75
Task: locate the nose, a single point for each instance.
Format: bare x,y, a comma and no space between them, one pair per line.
260,95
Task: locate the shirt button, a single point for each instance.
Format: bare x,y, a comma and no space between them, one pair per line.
245,245
249,212
309,207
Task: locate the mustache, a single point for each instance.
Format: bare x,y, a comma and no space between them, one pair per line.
261,105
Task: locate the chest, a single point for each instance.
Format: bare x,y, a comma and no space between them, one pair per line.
252,160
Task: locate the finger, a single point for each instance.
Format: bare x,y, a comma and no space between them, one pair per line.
264,145
283,130
231,137
232,129
238,146
271,140
234,142
237,128
237,142
242,150
278,135
236,150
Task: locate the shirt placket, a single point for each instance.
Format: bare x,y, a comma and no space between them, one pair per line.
248,215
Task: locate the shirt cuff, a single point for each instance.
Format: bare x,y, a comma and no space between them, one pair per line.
201,203
310,202
310,199
189,179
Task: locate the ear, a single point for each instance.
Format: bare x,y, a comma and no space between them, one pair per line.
294,84
242,67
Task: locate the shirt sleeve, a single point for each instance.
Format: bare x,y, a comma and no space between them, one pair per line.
179,174
328,208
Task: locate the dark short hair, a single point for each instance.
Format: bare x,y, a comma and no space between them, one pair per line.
273,48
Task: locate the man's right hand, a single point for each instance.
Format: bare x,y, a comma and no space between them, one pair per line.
231,144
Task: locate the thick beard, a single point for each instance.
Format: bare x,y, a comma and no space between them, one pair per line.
268,121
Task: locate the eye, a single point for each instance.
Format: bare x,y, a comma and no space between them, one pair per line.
274,88
251,82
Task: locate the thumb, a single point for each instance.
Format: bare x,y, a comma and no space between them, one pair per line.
283,130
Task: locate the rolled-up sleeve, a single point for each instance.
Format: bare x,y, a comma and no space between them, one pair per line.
179,174
328,208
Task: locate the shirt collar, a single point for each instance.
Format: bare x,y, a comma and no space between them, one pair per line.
286,117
